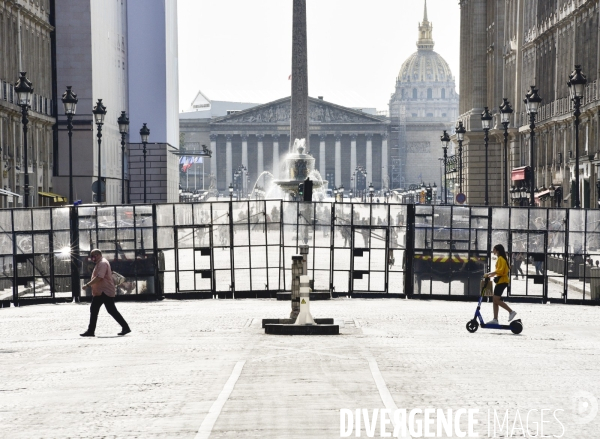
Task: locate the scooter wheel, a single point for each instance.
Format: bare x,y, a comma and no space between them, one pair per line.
472,326
516,327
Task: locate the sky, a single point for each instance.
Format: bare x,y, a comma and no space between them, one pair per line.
240,50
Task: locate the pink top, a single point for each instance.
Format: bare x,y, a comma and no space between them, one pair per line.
107,284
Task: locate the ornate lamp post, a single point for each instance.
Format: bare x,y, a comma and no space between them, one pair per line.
577,81
371,191
460,136
341,192
532,100
505,112
351,195
24,90
445,143
69,100
486,121
335,192
230,192
99,112
123,122
434,192
144,134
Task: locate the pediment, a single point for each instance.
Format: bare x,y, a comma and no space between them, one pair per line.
278,112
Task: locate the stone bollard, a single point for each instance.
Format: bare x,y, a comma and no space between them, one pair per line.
560,269
588,273
595,283
580,272
296,273
304,252
305,318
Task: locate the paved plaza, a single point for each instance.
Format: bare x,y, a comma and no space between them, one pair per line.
205,368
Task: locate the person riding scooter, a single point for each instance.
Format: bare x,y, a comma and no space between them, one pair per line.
503,278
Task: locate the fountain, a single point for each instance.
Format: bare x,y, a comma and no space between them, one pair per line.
300,166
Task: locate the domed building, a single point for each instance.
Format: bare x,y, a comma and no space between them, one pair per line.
424,104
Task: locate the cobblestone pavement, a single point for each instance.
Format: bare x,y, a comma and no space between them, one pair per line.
167,378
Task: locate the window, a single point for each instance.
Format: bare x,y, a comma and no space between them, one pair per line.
429,114
429,93
414,93
444,114
443,94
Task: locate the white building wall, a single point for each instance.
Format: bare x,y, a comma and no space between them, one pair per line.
109,79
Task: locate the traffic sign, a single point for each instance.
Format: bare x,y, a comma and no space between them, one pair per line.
102,186
461,198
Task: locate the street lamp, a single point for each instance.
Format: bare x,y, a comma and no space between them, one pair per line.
486,121
445,143
230,191
371,191
341,192
123,122
24,90
144,134
532,100
577,81
460,136
99,112
505,112
434,192
335,192
69,100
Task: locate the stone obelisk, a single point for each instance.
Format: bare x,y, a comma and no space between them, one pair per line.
299,113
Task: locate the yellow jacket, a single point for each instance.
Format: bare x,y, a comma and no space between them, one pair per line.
502,270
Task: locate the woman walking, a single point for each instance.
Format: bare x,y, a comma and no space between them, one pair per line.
503,273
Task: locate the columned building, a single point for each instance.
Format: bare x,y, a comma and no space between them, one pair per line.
25,45
341,139
506,47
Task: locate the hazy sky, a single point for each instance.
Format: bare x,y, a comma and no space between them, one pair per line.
241,49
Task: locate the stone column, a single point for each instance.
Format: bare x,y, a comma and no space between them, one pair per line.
228,161
260,165
322,156
352,152
244,162
338,160
385,170
276,164
369,164
213,159
299,113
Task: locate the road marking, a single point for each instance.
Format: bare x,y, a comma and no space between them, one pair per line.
384,392
215,410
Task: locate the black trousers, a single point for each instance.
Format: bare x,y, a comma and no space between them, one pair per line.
109,303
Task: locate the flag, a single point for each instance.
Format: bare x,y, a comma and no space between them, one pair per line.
185,167
197,159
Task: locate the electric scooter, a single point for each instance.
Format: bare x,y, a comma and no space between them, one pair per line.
472,325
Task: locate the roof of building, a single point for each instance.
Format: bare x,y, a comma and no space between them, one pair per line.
425,65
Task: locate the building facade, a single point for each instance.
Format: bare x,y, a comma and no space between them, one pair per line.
506,47
26,45
424,104
106,53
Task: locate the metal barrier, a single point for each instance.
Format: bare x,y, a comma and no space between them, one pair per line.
243,249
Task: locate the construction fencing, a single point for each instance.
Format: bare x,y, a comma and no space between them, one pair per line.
243,249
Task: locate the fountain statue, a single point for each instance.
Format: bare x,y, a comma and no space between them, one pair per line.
298,167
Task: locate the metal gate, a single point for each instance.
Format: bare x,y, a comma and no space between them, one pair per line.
528,256
368,268
194,259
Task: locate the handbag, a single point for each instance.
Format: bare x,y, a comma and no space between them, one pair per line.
485,286
118,279
496,279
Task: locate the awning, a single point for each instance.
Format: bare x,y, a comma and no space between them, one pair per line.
541,194
519,173
55,197
6,193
